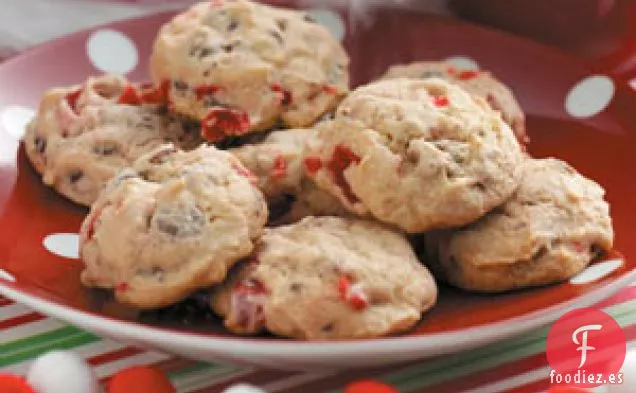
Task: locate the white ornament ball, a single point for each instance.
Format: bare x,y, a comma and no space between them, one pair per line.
629,375
62,372
243,388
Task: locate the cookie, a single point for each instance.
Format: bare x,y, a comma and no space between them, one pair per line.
417,154
480,83
241,67
173,223
82,136
551,229
326,278
277,164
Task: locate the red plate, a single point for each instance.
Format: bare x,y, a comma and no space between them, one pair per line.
574,114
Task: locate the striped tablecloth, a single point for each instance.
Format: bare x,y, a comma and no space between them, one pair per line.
512,366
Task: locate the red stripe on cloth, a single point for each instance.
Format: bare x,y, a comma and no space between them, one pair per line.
173,365
258,378
5,302
21,320
114,356
624,295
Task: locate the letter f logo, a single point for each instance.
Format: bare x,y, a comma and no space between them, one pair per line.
583,343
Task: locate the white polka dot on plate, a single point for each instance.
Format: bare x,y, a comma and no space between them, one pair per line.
463,62
14,119
590,96
596,272
632,83
111,51
243,388
331,20
6,276
63,244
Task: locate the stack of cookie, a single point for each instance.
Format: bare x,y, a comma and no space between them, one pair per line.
302,232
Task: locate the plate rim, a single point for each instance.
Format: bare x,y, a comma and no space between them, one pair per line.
438,342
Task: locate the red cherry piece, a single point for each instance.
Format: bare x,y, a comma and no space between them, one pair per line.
466,75
451,70
358,301
122,287
221,122
330,89
71,99
206,90
369,386
151,94
130,96
313,164
567,389
351,294
441,101
140,379
10,383
342,158
280,168
579,247
284,95
344,285
248,305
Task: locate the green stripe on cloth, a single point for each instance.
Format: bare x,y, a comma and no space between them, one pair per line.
38,339
41,345
199,366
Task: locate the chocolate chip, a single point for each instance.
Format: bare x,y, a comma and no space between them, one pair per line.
328,328
227,47
277,36
480,186
541,252
296,287
191,126
308,18
282,24
210,101
105,149
233,25
40,144
75,176
167,227
206,73
158,273
180,85
205,52
431,74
